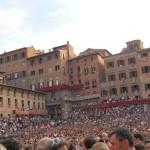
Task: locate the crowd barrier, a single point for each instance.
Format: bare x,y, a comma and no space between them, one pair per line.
117,104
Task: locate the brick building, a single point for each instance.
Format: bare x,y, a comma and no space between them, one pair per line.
93,75
127,73
19,101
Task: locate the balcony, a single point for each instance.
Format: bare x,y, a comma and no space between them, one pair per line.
31,112
121,67
61,87
78,98
112,83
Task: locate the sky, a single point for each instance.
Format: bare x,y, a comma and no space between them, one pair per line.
44,24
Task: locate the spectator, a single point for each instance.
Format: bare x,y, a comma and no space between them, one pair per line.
11,144
147,144
2,147
121,139
88,142
138,139
44,144
100,146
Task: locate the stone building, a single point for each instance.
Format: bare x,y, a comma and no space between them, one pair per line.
92,76
19,101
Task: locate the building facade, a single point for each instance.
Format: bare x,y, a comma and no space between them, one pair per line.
93,75
14,64
18,101
127,73
87,69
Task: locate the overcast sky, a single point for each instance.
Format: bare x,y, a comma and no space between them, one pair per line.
85,23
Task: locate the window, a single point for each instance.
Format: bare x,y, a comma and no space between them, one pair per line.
9,102
38,105
111,77
22,54
1,101
40,60
123,90
86,71
23,74
28,103
131,60
16,103
56,67
33,87
50,83
15,75
1,60
32,62
22,103
41,84
41,71
113,91
121,63
32,73
8,58
8,77
144,55
79,81
87,84
134,88
57,82
94,83
133,74
71,70
122,76
145,69
34,105
93,69
78,69
42,106
147,86
49,57
103,93
1,90
110,64
56,56
15,56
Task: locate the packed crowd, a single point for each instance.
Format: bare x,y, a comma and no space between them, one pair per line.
79,124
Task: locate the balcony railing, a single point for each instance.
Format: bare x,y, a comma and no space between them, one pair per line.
121,67
61,87
77,98
31,112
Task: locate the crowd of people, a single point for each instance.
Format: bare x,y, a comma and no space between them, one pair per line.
98,123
